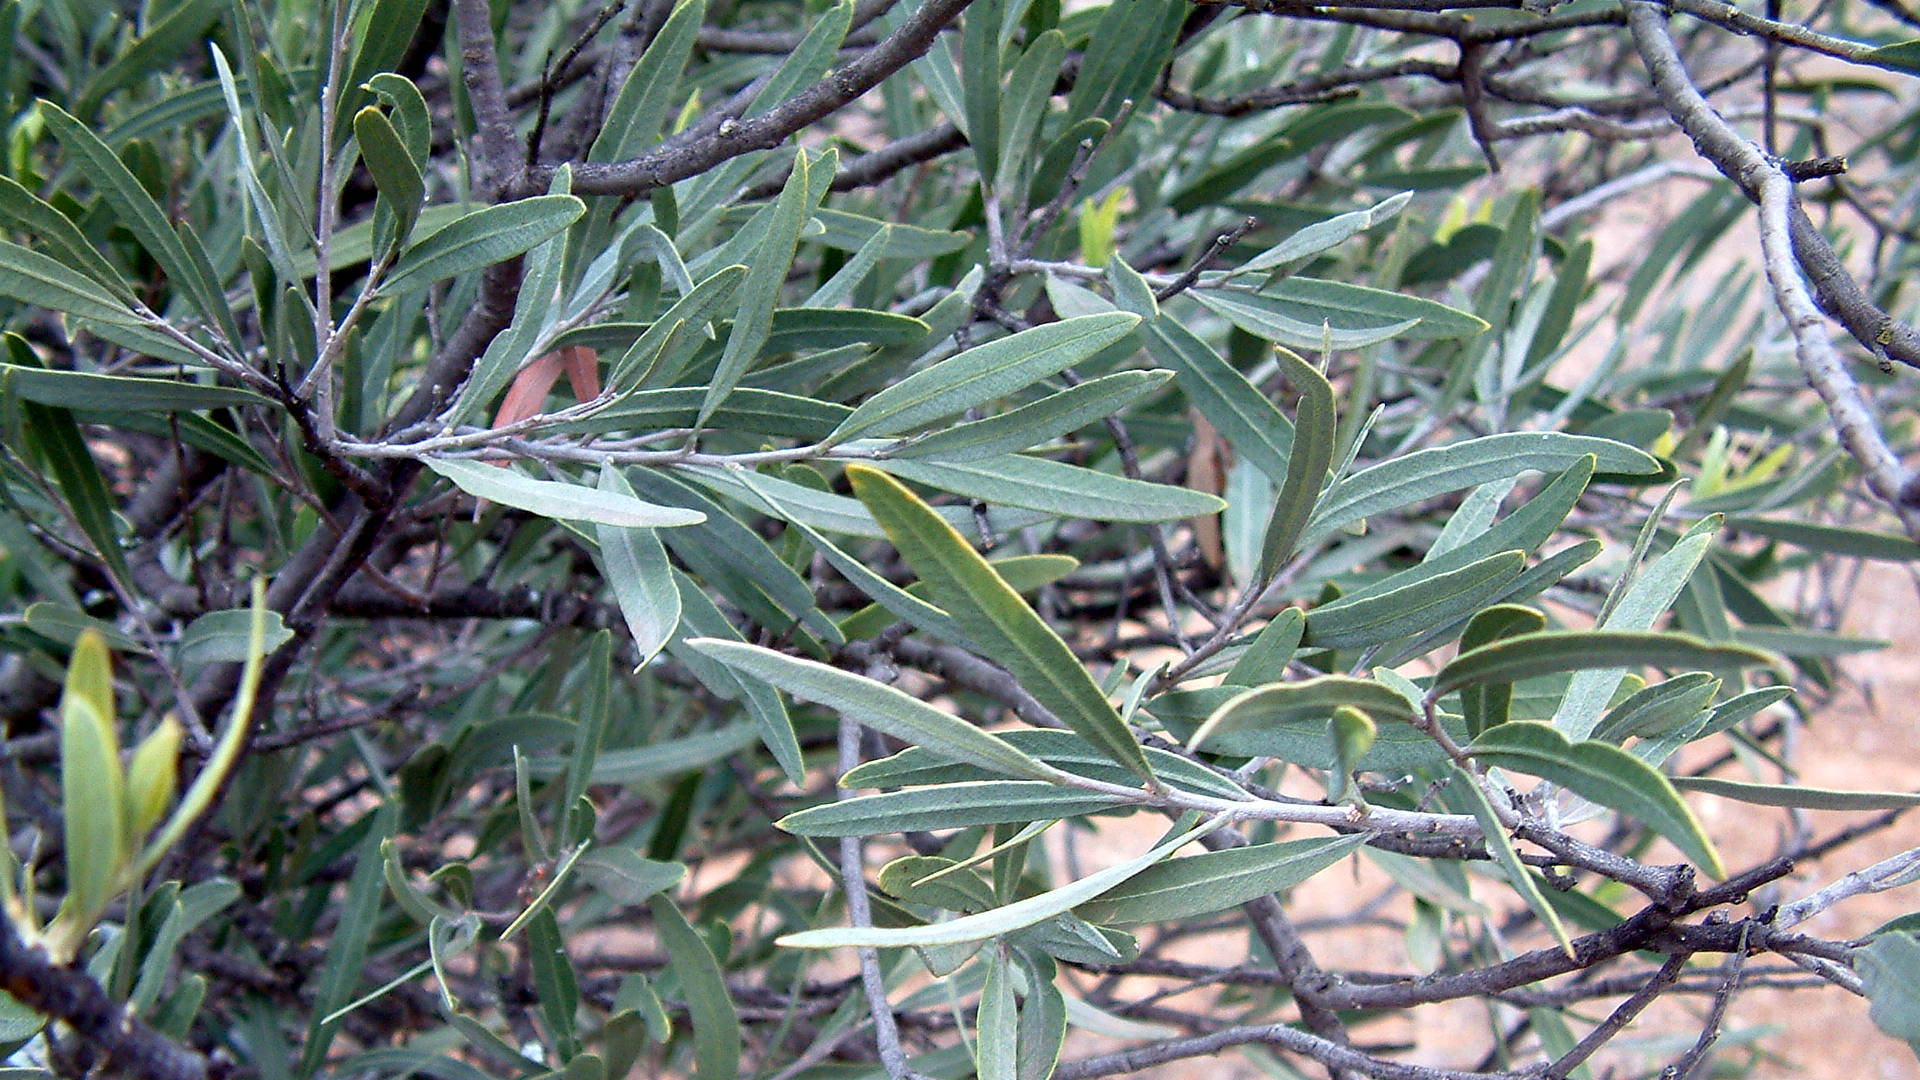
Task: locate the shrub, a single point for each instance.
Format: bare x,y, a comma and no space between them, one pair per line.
1056,517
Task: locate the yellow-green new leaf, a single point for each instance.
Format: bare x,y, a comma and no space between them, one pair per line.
92,794
993,615
1604,774
152,777
213,773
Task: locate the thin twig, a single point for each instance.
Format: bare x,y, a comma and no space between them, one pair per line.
853,876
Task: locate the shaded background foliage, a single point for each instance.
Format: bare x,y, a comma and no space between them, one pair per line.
1089,430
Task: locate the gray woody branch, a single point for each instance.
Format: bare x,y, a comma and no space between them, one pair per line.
1767,184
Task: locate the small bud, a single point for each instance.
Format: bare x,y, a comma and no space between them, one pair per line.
152,777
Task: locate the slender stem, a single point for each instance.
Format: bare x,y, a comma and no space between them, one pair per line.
853,876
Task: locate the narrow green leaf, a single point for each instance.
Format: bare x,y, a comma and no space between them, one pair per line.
1257,430
27,213
878,706
1216,880
1043,1018
345,963
626,876
552,499
1795,796
153,774
996,1051
980,86
1322,236
86,390
226,637
915,766
1354,734
71,464
1829,539
1435,601
1265,660
716,1024
1024,103
410,116
1344,305
760,292
983,373
481,238
1424,474
1489,704
947,806
1268,320
1636,603
1660,708
1291,720
990,612
395,174
747,409
694,309
1551,652
554,984
635,566
1495,835
1887,963
1031,425
272,229
1789,642
1054,487
177,251
1003,920
663,760
641,109
1602,773
33,278
851,232
592,689
1307,464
